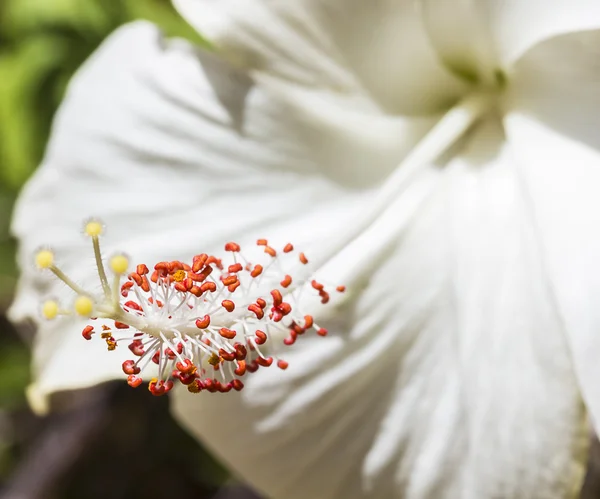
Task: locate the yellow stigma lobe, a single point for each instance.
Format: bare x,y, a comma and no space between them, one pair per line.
44,259
50,309
178,276
93,228
84,305
119,264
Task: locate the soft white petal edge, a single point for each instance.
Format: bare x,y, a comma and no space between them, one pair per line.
448,376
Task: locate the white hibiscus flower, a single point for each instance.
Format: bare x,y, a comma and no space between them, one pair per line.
439,157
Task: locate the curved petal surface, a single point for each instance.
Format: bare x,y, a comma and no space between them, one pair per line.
379,47
553,128
448,376
177,153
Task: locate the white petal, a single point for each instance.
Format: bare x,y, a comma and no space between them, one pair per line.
177,153
449,376
517,25
554,130
380,46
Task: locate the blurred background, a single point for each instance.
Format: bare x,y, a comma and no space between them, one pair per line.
108,441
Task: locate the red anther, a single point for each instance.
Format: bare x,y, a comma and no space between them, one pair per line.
134,381
224,388
169,353
208,286
287,280
156,357
324,297
203,323
196,291
264,362
317,285
196,386
188,283
232,247
340,289
180,286
129,367
252,367
227,333
282,364
145,284
199,261
185,379
87,332
230,279
297,328
121,325
288,247
261,303
227,356
237,385
240,370
186,367
261,242
322,331
291,339
211,385
157,388
240,351
257,270
284,309
236,267
259,312
125,288
133,305
261,337
270,251
136,278
168,386
228,305
303,258
141,269
232,287
308,321
136,347
277,298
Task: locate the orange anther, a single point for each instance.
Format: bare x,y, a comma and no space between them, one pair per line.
133,305
288,247
303,258
261,337
232,247
228,305
270,251
121,325
308,321
261,242
322,331
125,288
237,385
208,286
136,278
257,310
141,269
232,287
227,333
256,271
287,280
277,298
203,323
145,284
340,289
236,267
199,261
261,361
228,280
134,381
282,364
261,303
317,285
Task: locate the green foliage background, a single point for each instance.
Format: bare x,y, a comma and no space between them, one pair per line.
42,43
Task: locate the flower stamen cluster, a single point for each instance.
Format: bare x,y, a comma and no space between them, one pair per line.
204,324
